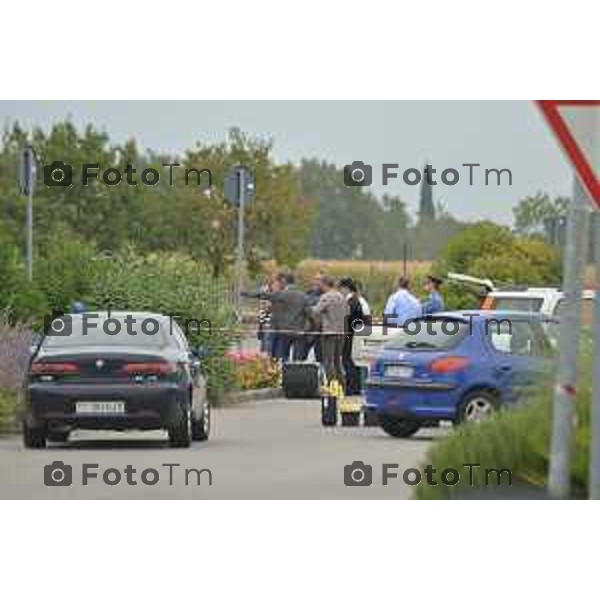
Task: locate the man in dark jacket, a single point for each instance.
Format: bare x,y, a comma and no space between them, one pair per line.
312,338
288,316
356,317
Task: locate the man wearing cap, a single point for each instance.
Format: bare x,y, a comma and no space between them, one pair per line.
435,302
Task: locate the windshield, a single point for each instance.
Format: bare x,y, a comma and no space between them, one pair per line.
518,304
96,330
429,334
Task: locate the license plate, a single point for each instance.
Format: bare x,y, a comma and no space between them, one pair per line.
100,408
398,371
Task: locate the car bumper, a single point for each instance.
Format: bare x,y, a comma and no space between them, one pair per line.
416,400
153,406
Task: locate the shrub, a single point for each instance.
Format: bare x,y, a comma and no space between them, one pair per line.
254,370
65,269
492,251
171,284
15,343
20,299
9,407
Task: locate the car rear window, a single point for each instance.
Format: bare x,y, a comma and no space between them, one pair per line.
99,331
517,304
428,334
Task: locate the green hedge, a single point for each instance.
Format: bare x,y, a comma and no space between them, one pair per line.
172,284
9,408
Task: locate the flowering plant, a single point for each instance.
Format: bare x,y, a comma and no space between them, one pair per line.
254,369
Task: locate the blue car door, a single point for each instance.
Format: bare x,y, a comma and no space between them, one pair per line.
520,355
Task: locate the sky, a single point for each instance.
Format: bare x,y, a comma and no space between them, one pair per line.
497,135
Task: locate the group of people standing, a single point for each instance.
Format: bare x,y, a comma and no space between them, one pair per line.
403,305
293,322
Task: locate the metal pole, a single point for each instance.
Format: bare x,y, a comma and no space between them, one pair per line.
595,408
576,249
30,233
240,237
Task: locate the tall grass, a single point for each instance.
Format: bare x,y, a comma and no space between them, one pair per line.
517,439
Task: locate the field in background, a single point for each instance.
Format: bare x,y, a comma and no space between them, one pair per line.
377,278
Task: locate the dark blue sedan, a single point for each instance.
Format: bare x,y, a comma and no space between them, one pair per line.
455,366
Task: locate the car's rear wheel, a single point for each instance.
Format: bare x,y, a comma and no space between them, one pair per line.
180,434
478,406
397,427
33,437
201,425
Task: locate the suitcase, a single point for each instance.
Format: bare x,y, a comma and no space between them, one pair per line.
350,419
302,379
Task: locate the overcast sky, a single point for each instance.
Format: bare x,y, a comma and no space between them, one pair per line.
447,134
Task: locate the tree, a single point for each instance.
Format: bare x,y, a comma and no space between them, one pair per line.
541,215
176,215
349,221
491,251
426,205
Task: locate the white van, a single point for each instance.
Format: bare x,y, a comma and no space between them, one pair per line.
545,300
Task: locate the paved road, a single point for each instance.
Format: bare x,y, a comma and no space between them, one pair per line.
264,450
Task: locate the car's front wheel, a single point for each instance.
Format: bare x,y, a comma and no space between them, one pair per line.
180,434
201,424
397,427
33,437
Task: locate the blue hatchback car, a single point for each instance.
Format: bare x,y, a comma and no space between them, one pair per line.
455,366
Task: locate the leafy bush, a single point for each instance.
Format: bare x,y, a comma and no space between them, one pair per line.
15,342
65,268
492,251
517,439
9,406
171,284
20,299
254,370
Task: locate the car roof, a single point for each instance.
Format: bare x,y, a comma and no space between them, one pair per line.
104,314
476,314
537,293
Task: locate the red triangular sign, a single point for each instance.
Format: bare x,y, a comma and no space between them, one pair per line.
576,124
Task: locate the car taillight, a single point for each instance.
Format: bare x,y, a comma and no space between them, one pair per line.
449,364
149,368
47,368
